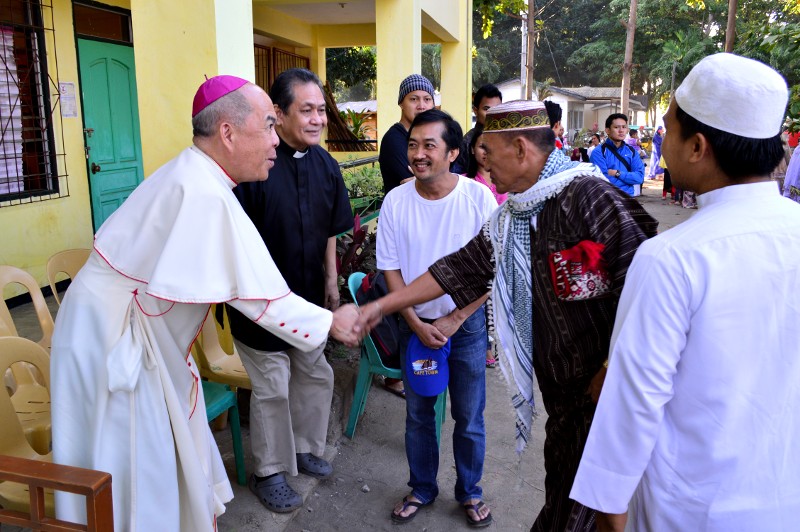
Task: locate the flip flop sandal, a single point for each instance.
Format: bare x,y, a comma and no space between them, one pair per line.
477,523
399,519
491,362
395,391
276,494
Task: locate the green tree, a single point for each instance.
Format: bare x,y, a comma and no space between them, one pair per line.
432,64
497,56
352,72
561,29
582,42
485,68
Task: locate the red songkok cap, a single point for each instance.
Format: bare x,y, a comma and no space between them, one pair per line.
213,89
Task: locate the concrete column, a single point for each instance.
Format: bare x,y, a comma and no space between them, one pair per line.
457,69
316,55
234,25
398,32
173,54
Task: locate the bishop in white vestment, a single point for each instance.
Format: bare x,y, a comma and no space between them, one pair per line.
126,394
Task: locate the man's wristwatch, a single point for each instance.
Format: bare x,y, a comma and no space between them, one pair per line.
605,363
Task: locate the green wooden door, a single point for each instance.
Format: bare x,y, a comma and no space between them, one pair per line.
111,120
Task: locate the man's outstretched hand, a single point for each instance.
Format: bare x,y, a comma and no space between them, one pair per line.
371,315
343,325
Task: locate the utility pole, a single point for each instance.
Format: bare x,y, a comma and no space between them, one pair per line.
529,80
523,67
628,64
730,32
672,83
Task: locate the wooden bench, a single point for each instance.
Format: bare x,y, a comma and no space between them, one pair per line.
38,476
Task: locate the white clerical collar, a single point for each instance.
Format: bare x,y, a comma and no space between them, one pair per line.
300,154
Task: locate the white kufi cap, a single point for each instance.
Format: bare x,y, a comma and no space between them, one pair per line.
736,95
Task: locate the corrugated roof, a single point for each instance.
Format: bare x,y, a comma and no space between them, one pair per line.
371,106
593,93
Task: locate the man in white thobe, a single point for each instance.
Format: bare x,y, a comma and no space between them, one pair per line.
696,427
126,397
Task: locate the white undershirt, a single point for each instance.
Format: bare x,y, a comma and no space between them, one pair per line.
415,232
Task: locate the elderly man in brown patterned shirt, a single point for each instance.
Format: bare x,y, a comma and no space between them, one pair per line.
555,255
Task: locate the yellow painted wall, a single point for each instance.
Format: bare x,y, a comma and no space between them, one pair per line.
442,17
124,4
234,22
398,34
457,67
346,35
277,25
173,52
32,232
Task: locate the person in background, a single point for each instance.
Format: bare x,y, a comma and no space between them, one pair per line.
791,183
655,156
667,189
793,139
478,171
554,116
415,97
485,98
688,199
618,161
633,140
594,142
696,427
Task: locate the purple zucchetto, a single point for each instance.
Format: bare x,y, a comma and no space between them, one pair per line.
213,89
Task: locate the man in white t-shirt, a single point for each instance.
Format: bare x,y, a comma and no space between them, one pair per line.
422,221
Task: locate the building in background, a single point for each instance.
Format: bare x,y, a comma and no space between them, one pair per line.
94,96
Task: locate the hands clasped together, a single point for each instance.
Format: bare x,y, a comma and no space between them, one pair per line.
352,323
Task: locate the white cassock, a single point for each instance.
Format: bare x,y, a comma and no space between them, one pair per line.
698,423
125,392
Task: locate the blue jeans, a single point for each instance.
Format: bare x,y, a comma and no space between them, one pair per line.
467,362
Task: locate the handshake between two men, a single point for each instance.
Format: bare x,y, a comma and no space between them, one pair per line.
351,323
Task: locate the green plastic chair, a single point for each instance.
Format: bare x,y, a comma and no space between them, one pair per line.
219,399
371,364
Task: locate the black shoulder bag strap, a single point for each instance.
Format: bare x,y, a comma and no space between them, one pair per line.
617,155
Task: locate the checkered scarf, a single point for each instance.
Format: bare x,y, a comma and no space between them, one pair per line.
512,291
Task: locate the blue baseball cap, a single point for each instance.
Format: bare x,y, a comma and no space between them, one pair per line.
427,371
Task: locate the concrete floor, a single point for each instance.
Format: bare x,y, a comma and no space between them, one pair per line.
370,471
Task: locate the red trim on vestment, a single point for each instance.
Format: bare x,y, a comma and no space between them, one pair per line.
196,335
117,269
189,364
196,393
268,303
136,298
192,302
235,183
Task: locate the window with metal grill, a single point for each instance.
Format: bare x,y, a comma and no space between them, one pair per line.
29,160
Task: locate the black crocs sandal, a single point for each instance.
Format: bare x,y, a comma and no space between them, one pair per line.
399,519
275,493
477,523
313,466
